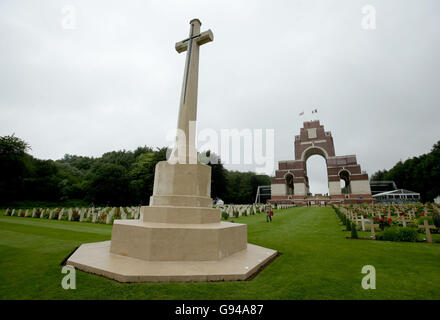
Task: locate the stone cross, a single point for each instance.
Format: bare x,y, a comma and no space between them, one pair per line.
427,227
61,214
403,220
362,219
373,232
184,150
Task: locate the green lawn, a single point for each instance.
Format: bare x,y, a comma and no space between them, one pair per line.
317,262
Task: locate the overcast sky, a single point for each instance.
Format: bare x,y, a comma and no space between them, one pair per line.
113,82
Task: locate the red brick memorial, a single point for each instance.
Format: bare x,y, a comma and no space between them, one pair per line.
291,186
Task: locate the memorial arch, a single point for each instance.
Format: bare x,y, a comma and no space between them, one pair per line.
288,177
314,140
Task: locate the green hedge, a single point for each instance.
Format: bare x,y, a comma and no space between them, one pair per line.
400,234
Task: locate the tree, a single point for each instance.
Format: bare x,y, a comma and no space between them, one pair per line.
241,187
218,176
420,174
108,184
12,167
379,175
116,178
142,175
42,180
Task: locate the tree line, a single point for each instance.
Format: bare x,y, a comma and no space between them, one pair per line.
420,174
117,178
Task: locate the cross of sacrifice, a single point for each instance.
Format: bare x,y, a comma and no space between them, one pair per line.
185,146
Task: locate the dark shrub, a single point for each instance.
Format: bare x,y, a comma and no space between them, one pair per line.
400,234
420,220
348,224
408,234
354,233
225,215
391,234
436,220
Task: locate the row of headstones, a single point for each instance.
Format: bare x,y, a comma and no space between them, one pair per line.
360,220
284,206
398,212
409,209
248,209
241,210
102,215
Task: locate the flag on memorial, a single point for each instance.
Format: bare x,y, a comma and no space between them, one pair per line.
302,113
315,111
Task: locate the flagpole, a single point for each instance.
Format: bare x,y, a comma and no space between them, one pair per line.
300,118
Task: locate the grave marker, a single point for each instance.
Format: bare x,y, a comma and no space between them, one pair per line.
373,231
427,227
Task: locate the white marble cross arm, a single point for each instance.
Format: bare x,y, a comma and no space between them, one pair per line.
202,38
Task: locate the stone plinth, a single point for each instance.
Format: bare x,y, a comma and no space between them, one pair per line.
189,215
177,242
180,237
184,185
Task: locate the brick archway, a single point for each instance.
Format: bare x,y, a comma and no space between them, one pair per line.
344,174
313,150
308,153
313,139
290,188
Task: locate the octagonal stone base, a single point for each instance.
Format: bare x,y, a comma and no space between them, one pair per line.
179,237
96,258
153,241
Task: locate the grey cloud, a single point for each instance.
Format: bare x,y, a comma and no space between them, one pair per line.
114,82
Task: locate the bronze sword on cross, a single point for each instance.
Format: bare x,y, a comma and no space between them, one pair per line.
187,44
188,100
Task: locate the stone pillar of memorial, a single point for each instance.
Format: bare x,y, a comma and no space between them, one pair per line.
180,236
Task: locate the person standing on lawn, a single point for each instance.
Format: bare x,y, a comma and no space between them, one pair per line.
269,213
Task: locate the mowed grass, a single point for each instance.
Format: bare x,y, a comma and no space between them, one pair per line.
316,262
